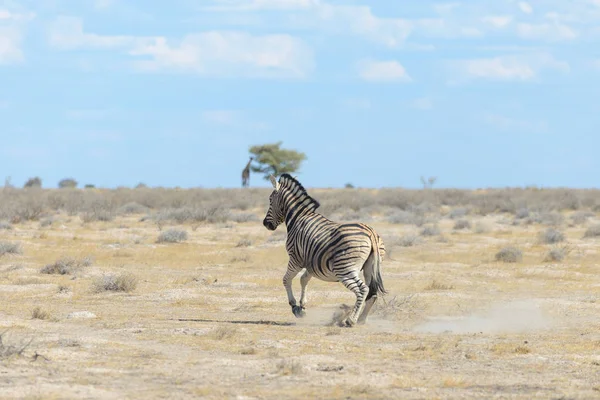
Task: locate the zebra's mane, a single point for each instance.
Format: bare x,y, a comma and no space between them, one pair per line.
289,182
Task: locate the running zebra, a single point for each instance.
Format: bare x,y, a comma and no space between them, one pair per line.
330,251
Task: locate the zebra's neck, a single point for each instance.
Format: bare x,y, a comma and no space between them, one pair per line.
297,204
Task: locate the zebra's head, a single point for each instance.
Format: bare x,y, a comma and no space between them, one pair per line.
275,215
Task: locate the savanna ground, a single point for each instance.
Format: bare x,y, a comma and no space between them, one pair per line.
141,293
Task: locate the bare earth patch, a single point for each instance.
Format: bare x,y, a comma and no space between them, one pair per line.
207,317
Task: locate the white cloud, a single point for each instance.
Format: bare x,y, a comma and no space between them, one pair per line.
10,46
546,31
256,5
66,33
523,67
382,71
11,35
230,54
498,21
525,7
337,19
209,53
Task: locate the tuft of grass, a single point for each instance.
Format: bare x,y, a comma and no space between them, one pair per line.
244,243
7,351
482,227
5,226
430,230
172,236
581,217
247,351
436,285
556,254
39,313
224,332
522,213
592,231
462,224
289,367
551,236
66,266
132,208
509,254
10,248
124,282
46,222
522,350
458,213
244,217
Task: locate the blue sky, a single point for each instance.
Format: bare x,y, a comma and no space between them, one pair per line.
376,93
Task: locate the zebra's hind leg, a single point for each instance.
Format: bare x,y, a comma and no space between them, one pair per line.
371,297
356,285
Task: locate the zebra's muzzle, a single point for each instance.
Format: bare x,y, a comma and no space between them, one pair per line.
269,225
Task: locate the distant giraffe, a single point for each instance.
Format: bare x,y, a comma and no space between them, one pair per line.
246,174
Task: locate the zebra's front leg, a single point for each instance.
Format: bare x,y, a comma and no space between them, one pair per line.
356,285
287,283
304,281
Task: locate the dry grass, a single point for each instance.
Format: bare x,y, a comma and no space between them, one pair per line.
172,236
10,248
39,313
509,254
455,323
124,282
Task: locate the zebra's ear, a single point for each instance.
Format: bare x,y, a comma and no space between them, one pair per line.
274,182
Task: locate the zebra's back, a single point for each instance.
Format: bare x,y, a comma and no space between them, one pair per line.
329,249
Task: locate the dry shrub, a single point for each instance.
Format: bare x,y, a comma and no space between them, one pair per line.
430,230
436,285
224,332
7,351
462,224
244,243
10,248
406,241
458,213
556,254
592,231
124,282
39,313
6,226
509,254
66,266
172,236
289,367
482,227
581,217
551,236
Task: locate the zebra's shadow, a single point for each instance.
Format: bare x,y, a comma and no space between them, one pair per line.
255,322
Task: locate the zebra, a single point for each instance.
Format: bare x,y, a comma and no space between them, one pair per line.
327,250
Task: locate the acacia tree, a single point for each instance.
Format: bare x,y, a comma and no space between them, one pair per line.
272,159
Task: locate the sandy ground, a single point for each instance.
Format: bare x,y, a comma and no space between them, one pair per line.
209,317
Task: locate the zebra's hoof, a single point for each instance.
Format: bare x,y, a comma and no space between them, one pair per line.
298,311
347,323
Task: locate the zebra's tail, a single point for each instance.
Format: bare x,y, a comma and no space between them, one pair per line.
376,284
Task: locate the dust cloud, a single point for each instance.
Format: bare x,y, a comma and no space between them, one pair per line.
511,317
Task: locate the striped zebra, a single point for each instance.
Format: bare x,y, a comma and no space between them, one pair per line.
330,251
